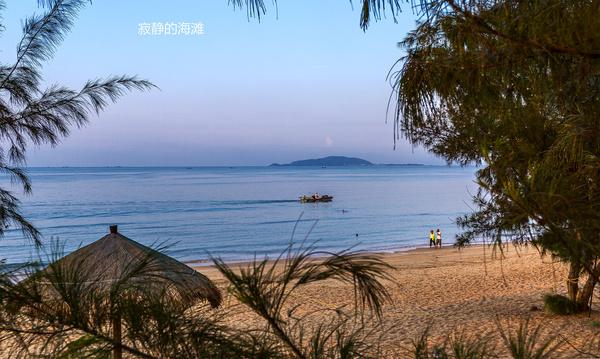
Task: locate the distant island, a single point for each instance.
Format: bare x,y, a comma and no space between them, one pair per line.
329,161
340,161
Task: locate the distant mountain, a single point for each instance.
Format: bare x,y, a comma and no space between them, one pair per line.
329,161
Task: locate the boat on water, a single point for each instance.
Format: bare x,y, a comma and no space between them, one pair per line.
313,199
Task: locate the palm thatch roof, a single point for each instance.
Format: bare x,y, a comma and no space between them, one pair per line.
115,259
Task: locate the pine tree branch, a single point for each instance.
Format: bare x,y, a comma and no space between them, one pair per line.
524,42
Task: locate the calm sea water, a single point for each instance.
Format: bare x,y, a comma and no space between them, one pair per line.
238,212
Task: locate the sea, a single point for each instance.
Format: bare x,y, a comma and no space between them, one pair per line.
240,213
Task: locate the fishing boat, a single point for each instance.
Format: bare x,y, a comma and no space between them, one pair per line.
313,199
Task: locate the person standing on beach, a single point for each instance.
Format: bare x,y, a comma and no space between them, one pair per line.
431,239
439,238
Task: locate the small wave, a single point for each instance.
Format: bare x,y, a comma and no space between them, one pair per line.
259,201
287,221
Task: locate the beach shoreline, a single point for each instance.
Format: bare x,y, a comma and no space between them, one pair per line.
202,263
468,290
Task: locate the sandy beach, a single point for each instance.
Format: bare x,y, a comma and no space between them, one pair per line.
452,290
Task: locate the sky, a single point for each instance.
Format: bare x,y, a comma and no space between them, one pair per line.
304,82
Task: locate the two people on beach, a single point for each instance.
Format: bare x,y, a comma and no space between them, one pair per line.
435,239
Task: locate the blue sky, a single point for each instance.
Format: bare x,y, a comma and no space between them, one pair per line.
304,82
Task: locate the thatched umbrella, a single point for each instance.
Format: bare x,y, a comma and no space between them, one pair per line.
114,257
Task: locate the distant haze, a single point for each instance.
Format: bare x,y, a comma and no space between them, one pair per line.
302,83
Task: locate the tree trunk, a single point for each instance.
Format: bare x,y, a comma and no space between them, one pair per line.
585,294
573,280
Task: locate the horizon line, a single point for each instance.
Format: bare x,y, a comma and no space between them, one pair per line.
237,166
